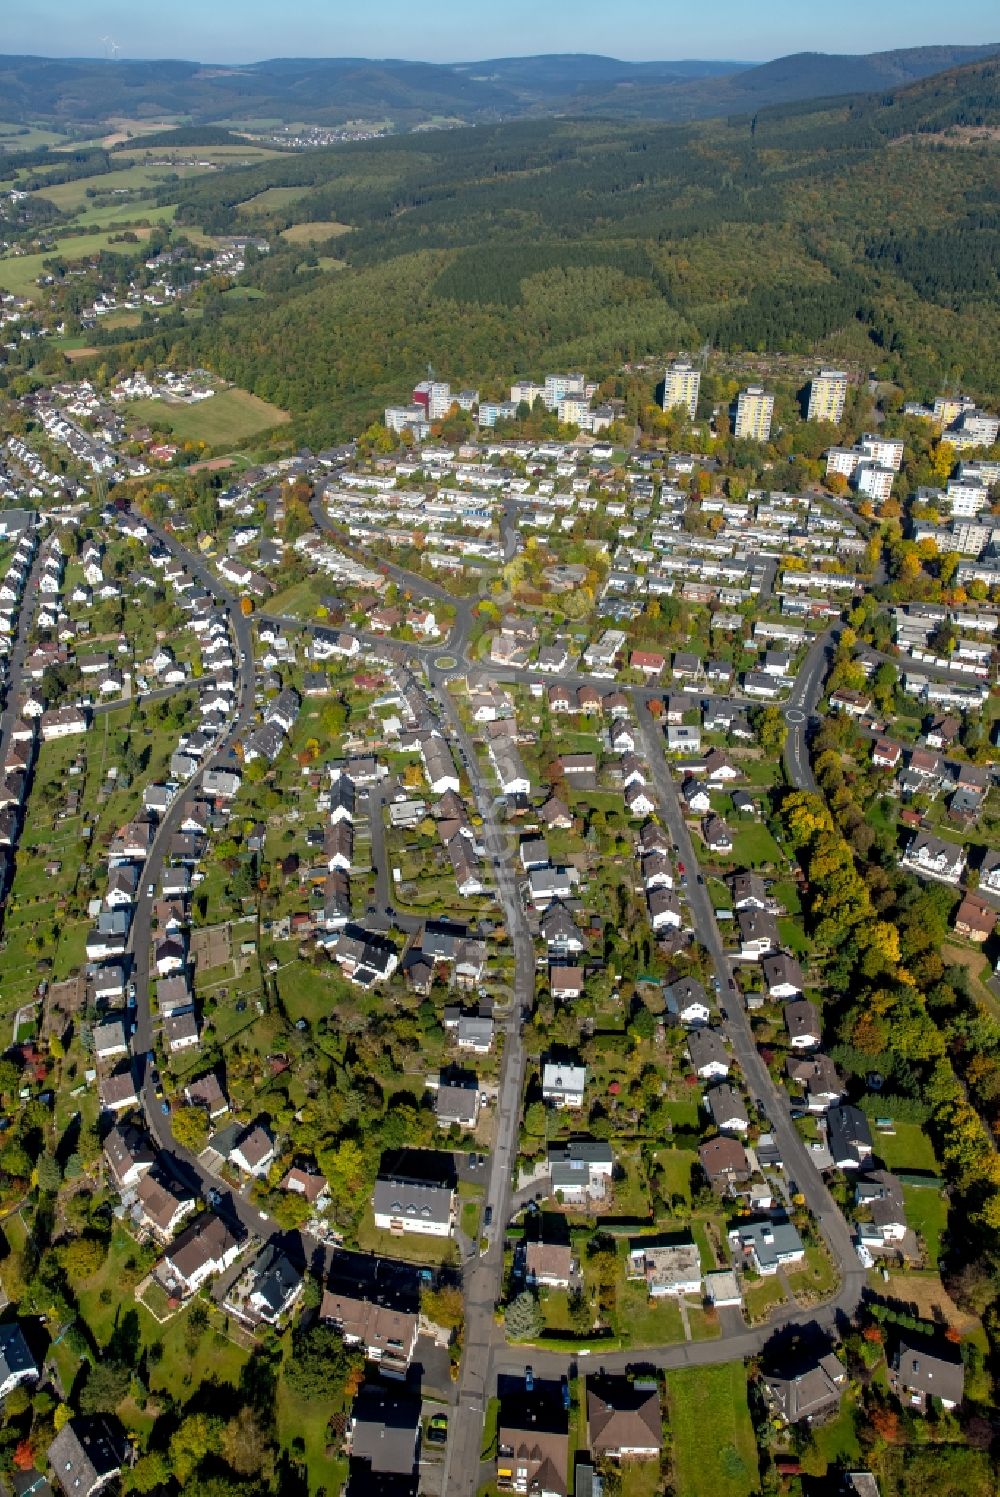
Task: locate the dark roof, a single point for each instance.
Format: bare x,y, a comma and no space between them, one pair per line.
384,1425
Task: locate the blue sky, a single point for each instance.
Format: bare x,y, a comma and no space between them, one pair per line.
457,30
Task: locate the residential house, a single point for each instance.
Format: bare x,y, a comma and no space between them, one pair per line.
376,1320
717,836
881,1195
623,1418
533,1441
384,1436
86,1456
129,1155
935,858
116,1089
161,1206
767,1245
686,1002
923,1368
404,1205
724,1161
549,1264
886,754
817,1075
975,919
811,1394
457,1103
707,1053
664,909
255,1152
848,1136
208,1246
758,933
581,1170
749,891
668,1268
783,977
802,1023
17,1365
726,1108
563,1084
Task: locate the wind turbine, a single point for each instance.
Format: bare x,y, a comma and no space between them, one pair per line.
111,47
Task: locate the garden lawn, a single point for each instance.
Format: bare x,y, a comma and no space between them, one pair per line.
927,1214
760,1296
714,1453
647,1322
754,847
410,1247
306,1419
908,1148
833,1444
676,1165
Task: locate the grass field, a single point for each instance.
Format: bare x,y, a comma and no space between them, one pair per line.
71,196
908,1148
123,214
271,197
714,1450
26,137
19,274
316,232
927,1214
231,416
180,157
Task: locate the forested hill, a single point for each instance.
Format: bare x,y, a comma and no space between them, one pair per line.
82,93
860,230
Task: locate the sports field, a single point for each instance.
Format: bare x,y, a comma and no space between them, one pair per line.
228,418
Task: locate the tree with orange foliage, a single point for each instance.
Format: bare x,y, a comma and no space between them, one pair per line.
885,1423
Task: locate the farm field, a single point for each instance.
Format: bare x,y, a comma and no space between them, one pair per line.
125,214
18,274
69,197
15,137
198,156
231,416
713,1442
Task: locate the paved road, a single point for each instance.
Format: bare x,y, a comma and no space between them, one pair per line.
386,911
483,1277
801,707
798,1165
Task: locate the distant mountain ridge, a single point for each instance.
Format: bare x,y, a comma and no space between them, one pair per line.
89,92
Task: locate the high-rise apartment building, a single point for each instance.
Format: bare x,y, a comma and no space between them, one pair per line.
754,410
680,386
827,394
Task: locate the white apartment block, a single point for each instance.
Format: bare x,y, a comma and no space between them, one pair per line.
874,481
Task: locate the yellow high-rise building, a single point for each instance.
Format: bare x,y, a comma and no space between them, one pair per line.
680,386
827,394
754,410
